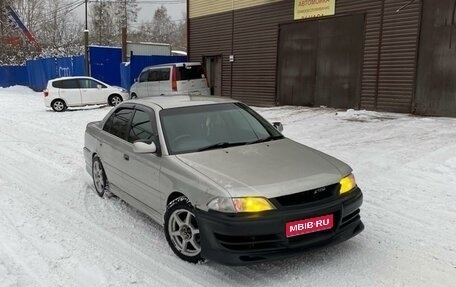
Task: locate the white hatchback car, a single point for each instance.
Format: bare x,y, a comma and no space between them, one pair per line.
67,92
169,79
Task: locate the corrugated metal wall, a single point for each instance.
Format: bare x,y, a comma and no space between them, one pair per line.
251,34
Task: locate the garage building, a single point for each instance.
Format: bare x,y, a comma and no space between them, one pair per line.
385,55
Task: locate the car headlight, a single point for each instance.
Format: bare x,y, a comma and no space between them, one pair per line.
240,204
347,184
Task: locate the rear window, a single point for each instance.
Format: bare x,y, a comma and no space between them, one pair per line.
190,73
66,84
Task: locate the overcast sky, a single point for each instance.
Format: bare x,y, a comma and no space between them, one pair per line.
148,8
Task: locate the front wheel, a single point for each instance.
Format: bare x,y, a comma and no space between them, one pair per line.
181,230
114,100
99,176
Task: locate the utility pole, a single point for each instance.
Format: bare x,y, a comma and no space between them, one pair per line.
124,33
1,21
86,41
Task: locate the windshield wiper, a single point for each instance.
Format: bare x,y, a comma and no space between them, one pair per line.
266,139
220,145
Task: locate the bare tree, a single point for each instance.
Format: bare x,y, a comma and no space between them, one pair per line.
108,17
163,29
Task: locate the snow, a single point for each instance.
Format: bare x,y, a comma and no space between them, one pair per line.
55,230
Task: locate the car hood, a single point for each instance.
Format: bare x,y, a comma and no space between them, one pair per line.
268,169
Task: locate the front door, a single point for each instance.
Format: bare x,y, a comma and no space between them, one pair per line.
92,92
143,170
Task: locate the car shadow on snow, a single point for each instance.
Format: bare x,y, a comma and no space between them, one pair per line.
79,109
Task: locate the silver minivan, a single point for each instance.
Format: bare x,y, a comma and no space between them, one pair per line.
168,79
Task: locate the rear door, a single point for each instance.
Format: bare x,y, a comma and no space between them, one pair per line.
92,92
191,78
69,91
165,81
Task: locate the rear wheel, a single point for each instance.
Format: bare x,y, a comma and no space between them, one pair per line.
99,176
114,100
58,106
181,230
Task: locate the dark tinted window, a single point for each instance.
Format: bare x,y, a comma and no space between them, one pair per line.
118,122
159,75
66,84
142,127
190,73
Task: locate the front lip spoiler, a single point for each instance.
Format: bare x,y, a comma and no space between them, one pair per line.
223,236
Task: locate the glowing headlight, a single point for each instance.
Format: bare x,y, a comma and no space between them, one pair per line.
241,204
347,184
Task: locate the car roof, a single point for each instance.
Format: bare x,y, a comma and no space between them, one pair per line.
71,78
179,101
172,64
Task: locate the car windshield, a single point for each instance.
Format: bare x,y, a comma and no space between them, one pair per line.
201,128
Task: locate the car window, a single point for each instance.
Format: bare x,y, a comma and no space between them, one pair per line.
66,84
142,127
117,123
89,84
144,76
192,129
159,75
187,73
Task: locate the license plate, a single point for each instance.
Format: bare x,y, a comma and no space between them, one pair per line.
309,225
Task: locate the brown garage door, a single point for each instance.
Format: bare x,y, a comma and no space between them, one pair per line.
436,88
319,62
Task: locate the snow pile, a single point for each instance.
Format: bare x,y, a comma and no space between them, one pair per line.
55,231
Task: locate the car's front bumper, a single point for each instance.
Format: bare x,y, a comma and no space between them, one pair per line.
241,239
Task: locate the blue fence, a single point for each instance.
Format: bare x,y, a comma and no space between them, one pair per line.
40,71
36,73
132,70
13,75
104,64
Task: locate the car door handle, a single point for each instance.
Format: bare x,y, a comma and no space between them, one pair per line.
126,157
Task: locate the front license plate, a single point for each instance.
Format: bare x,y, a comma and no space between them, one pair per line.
309,225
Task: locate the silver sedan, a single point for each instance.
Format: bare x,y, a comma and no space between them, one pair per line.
225,183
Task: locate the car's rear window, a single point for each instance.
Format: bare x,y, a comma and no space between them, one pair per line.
66,84
187,73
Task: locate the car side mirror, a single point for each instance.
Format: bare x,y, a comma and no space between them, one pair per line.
136,80
278,126
142,147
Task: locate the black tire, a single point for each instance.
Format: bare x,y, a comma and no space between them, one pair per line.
58,106
134,96
189,239
99,176
114,100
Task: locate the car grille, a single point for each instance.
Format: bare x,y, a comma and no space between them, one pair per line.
307,196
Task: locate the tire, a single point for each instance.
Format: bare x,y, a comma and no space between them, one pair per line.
181,230
134,96
114,100
58,106
99,176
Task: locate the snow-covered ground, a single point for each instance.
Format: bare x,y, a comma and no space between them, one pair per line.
55,231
